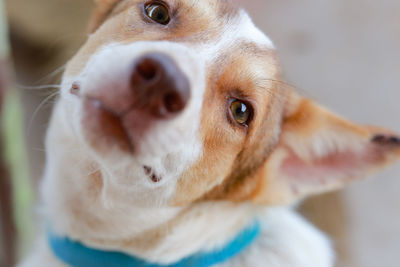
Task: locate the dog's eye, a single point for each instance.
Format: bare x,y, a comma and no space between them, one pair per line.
158,13
241,112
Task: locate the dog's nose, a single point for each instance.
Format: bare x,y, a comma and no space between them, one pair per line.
159,86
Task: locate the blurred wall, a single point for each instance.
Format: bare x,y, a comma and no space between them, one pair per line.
342,53
44,34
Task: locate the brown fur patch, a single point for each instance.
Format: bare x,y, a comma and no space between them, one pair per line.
102,10
309,118
231,154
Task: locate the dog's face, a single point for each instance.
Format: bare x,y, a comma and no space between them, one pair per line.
181,100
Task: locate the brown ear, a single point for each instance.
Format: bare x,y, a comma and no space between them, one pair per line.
319,151
102,9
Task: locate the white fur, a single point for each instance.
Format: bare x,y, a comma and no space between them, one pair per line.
243,29
287,240
251,33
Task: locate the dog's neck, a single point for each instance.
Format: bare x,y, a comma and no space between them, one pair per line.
78,205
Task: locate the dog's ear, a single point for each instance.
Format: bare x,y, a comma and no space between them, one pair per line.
319,151
102,9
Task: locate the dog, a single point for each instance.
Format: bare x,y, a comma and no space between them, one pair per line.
175,142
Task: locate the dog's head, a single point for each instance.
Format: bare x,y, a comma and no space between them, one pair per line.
182,100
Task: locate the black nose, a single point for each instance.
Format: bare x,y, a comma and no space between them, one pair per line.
159,86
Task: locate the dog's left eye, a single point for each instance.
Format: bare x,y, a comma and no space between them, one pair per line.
158,13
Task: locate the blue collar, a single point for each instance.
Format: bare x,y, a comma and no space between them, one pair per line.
76,254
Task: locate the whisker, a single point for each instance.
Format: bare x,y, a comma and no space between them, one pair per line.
34,114
40,87
52,74
261,84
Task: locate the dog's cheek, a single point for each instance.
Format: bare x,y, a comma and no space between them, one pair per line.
220,144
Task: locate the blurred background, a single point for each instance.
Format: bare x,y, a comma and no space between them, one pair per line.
345,54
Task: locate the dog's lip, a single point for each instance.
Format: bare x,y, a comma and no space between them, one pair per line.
103,120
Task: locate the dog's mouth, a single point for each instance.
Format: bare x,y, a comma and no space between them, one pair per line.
151,174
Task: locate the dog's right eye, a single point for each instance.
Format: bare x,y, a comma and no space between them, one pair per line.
241,112
158,13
